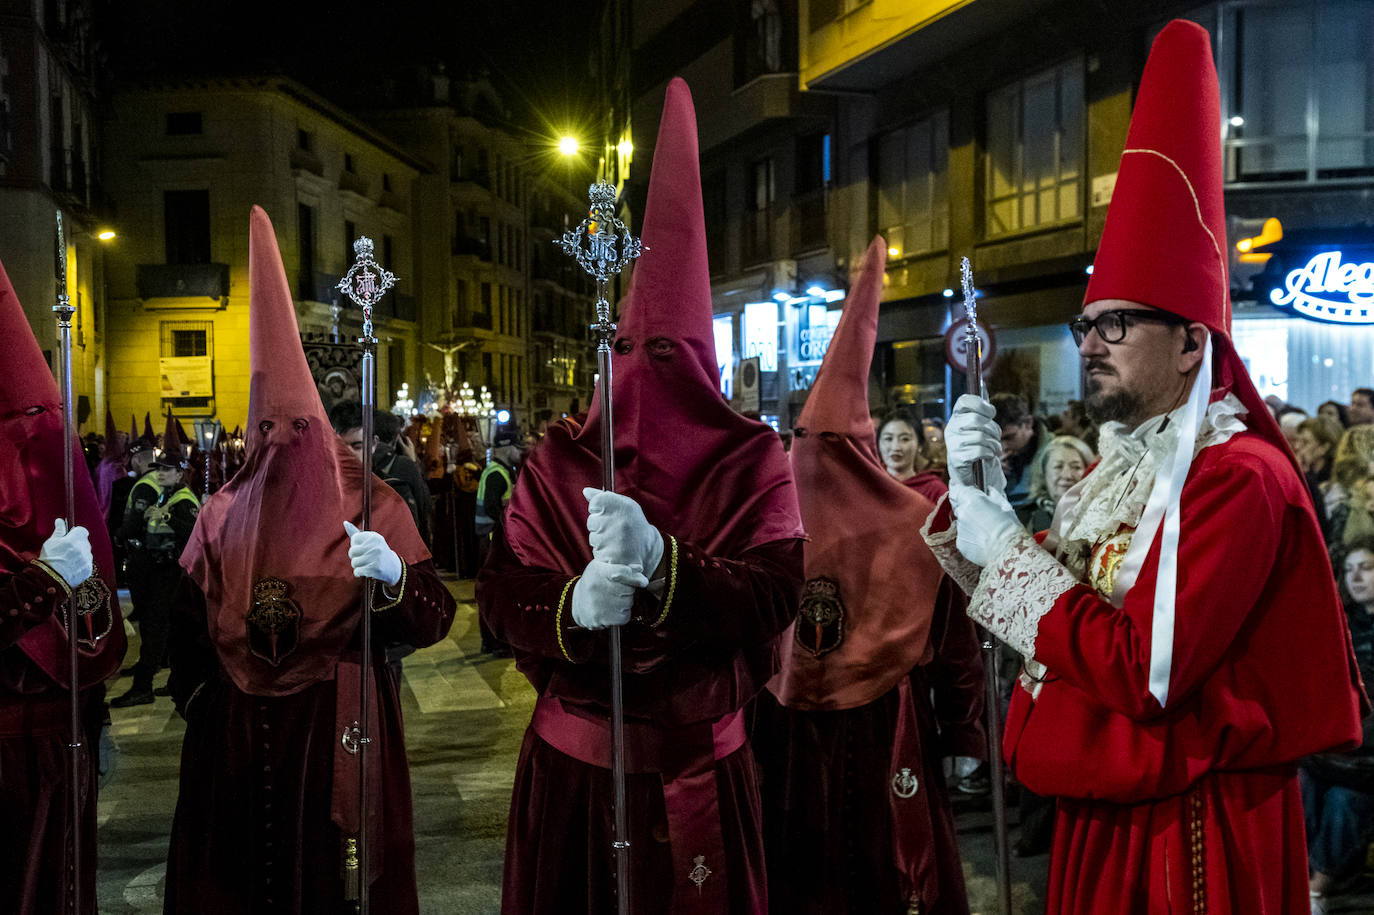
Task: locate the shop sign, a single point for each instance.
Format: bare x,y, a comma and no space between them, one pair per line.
760,334
814,327
956,345
1332,286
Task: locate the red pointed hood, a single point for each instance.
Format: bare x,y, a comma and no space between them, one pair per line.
33,494
838,401
1164,243
250,536
871,586
700,471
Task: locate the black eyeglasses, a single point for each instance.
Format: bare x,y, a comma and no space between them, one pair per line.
1111,325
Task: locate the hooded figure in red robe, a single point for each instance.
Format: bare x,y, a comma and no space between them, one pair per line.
1184,639
697,557
880,672
43,566
265,652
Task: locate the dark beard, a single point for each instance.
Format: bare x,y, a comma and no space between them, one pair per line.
1120,406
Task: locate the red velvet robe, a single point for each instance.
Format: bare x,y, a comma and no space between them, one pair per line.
35,764
253,834
1194,807
711,655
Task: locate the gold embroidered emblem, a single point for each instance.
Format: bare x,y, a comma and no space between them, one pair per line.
1106,561
904,784
95,617
820,619
274,622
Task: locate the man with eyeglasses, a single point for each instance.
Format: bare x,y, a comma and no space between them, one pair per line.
1185,646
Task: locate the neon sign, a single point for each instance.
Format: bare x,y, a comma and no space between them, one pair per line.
1326,289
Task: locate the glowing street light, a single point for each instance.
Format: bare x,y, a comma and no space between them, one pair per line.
568,146
106,235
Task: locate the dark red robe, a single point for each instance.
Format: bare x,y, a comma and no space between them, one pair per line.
253,833
709,657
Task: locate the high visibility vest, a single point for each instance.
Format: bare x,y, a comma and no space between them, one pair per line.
485,523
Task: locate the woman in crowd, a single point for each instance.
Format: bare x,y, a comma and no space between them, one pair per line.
1058,467
904,454
1346,493
1336,412
1338,788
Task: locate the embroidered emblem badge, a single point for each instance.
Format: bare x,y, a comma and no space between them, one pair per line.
820,621
1107,559
904,784
94,616
274,622
700,872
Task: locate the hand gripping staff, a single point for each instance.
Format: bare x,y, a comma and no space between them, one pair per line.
365,283
973,376
603,246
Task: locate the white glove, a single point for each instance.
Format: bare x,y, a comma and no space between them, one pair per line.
986,522
620,534
963,766
971,436
371,557
68,553
604,594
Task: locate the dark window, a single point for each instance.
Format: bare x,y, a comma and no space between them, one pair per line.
350,235
186,222
183,123
386,181
487,378
305,225
305,140
486,297
188,343
348,162
484,236
824,12
455,164
717,221
759,219
386,251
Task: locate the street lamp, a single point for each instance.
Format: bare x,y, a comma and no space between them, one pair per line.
568,146
486,410
207,434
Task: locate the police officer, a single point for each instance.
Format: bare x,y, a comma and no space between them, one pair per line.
158,519
493,495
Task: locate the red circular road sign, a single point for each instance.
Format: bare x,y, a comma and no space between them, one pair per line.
956,345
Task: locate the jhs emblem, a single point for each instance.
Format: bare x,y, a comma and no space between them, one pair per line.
274,622
820,621
904,784
366,284
700,872
94,616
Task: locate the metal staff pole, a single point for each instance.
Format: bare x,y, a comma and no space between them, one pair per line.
973,376
64,310
365,283
603,246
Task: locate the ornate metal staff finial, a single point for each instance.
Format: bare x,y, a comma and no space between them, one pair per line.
603,246
63,308
366,282
970,297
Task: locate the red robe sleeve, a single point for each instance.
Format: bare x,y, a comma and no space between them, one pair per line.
27,598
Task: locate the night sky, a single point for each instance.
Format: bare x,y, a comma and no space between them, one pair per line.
537,52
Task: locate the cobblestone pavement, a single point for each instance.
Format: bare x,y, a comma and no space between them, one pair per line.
465,713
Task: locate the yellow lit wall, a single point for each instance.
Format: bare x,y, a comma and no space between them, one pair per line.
864,30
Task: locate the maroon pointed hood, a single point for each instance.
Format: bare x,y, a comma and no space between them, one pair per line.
33,495
250,536
701,472
870,585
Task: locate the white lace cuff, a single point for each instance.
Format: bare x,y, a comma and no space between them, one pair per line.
942,544
1018,587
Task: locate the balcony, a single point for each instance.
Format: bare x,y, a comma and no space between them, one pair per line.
303,160
353,183
467,246
167,281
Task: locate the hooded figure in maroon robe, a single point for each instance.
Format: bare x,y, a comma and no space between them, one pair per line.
42,568
1184,642
881,677
697,557
265,652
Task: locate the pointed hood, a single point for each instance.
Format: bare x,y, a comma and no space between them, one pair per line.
281,599
33,495
871,587
148,435
114,441
173,441
133,428
700,471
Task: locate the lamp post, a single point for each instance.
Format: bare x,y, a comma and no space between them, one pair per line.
207,435
486,410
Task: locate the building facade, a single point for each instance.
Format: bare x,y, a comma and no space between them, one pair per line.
993,130
195,156
49,161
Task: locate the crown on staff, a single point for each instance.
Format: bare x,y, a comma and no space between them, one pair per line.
363,248
602,194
